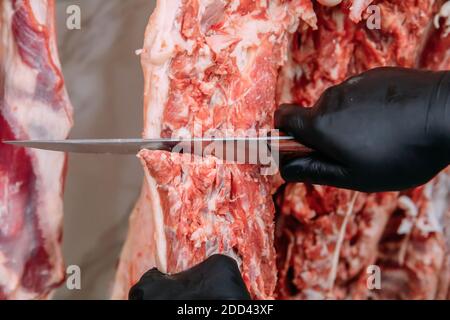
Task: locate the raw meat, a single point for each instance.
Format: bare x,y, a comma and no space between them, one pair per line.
436,55
212,64
340,48
411,251
337,50
33,105
201,60
204,212
307,238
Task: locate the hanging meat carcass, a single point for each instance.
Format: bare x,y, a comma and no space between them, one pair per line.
208,65
33,105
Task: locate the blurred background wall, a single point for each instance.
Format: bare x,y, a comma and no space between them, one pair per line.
105,84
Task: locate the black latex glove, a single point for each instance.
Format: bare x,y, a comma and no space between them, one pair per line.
386,129
217,278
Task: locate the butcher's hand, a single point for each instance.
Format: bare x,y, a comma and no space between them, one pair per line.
386,129
217,278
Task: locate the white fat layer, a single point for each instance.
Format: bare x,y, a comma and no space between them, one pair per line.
9,280
439,206
329,3
158,221
247,34
204,60
234,5
218,42
444,13
357,7
39,8
411,210
155,97
408,205
438,195
288,73
311,294
156,55
209,13
159,44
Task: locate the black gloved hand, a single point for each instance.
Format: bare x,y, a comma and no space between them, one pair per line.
217,278
386,129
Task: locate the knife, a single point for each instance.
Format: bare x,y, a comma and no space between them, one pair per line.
220,147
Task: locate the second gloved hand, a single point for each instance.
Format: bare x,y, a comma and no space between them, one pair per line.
387,129
216,278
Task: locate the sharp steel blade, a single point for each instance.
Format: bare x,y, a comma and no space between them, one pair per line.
129,146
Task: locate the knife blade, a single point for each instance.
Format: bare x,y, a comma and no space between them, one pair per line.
221,146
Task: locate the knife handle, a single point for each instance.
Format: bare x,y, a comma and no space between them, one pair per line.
290,147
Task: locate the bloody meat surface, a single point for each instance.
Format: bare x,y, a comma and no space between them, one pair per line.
212,64
209,65
321,58
436,55
33,105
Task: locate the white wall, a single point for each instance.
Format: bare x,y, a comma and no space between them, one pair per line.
104,80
